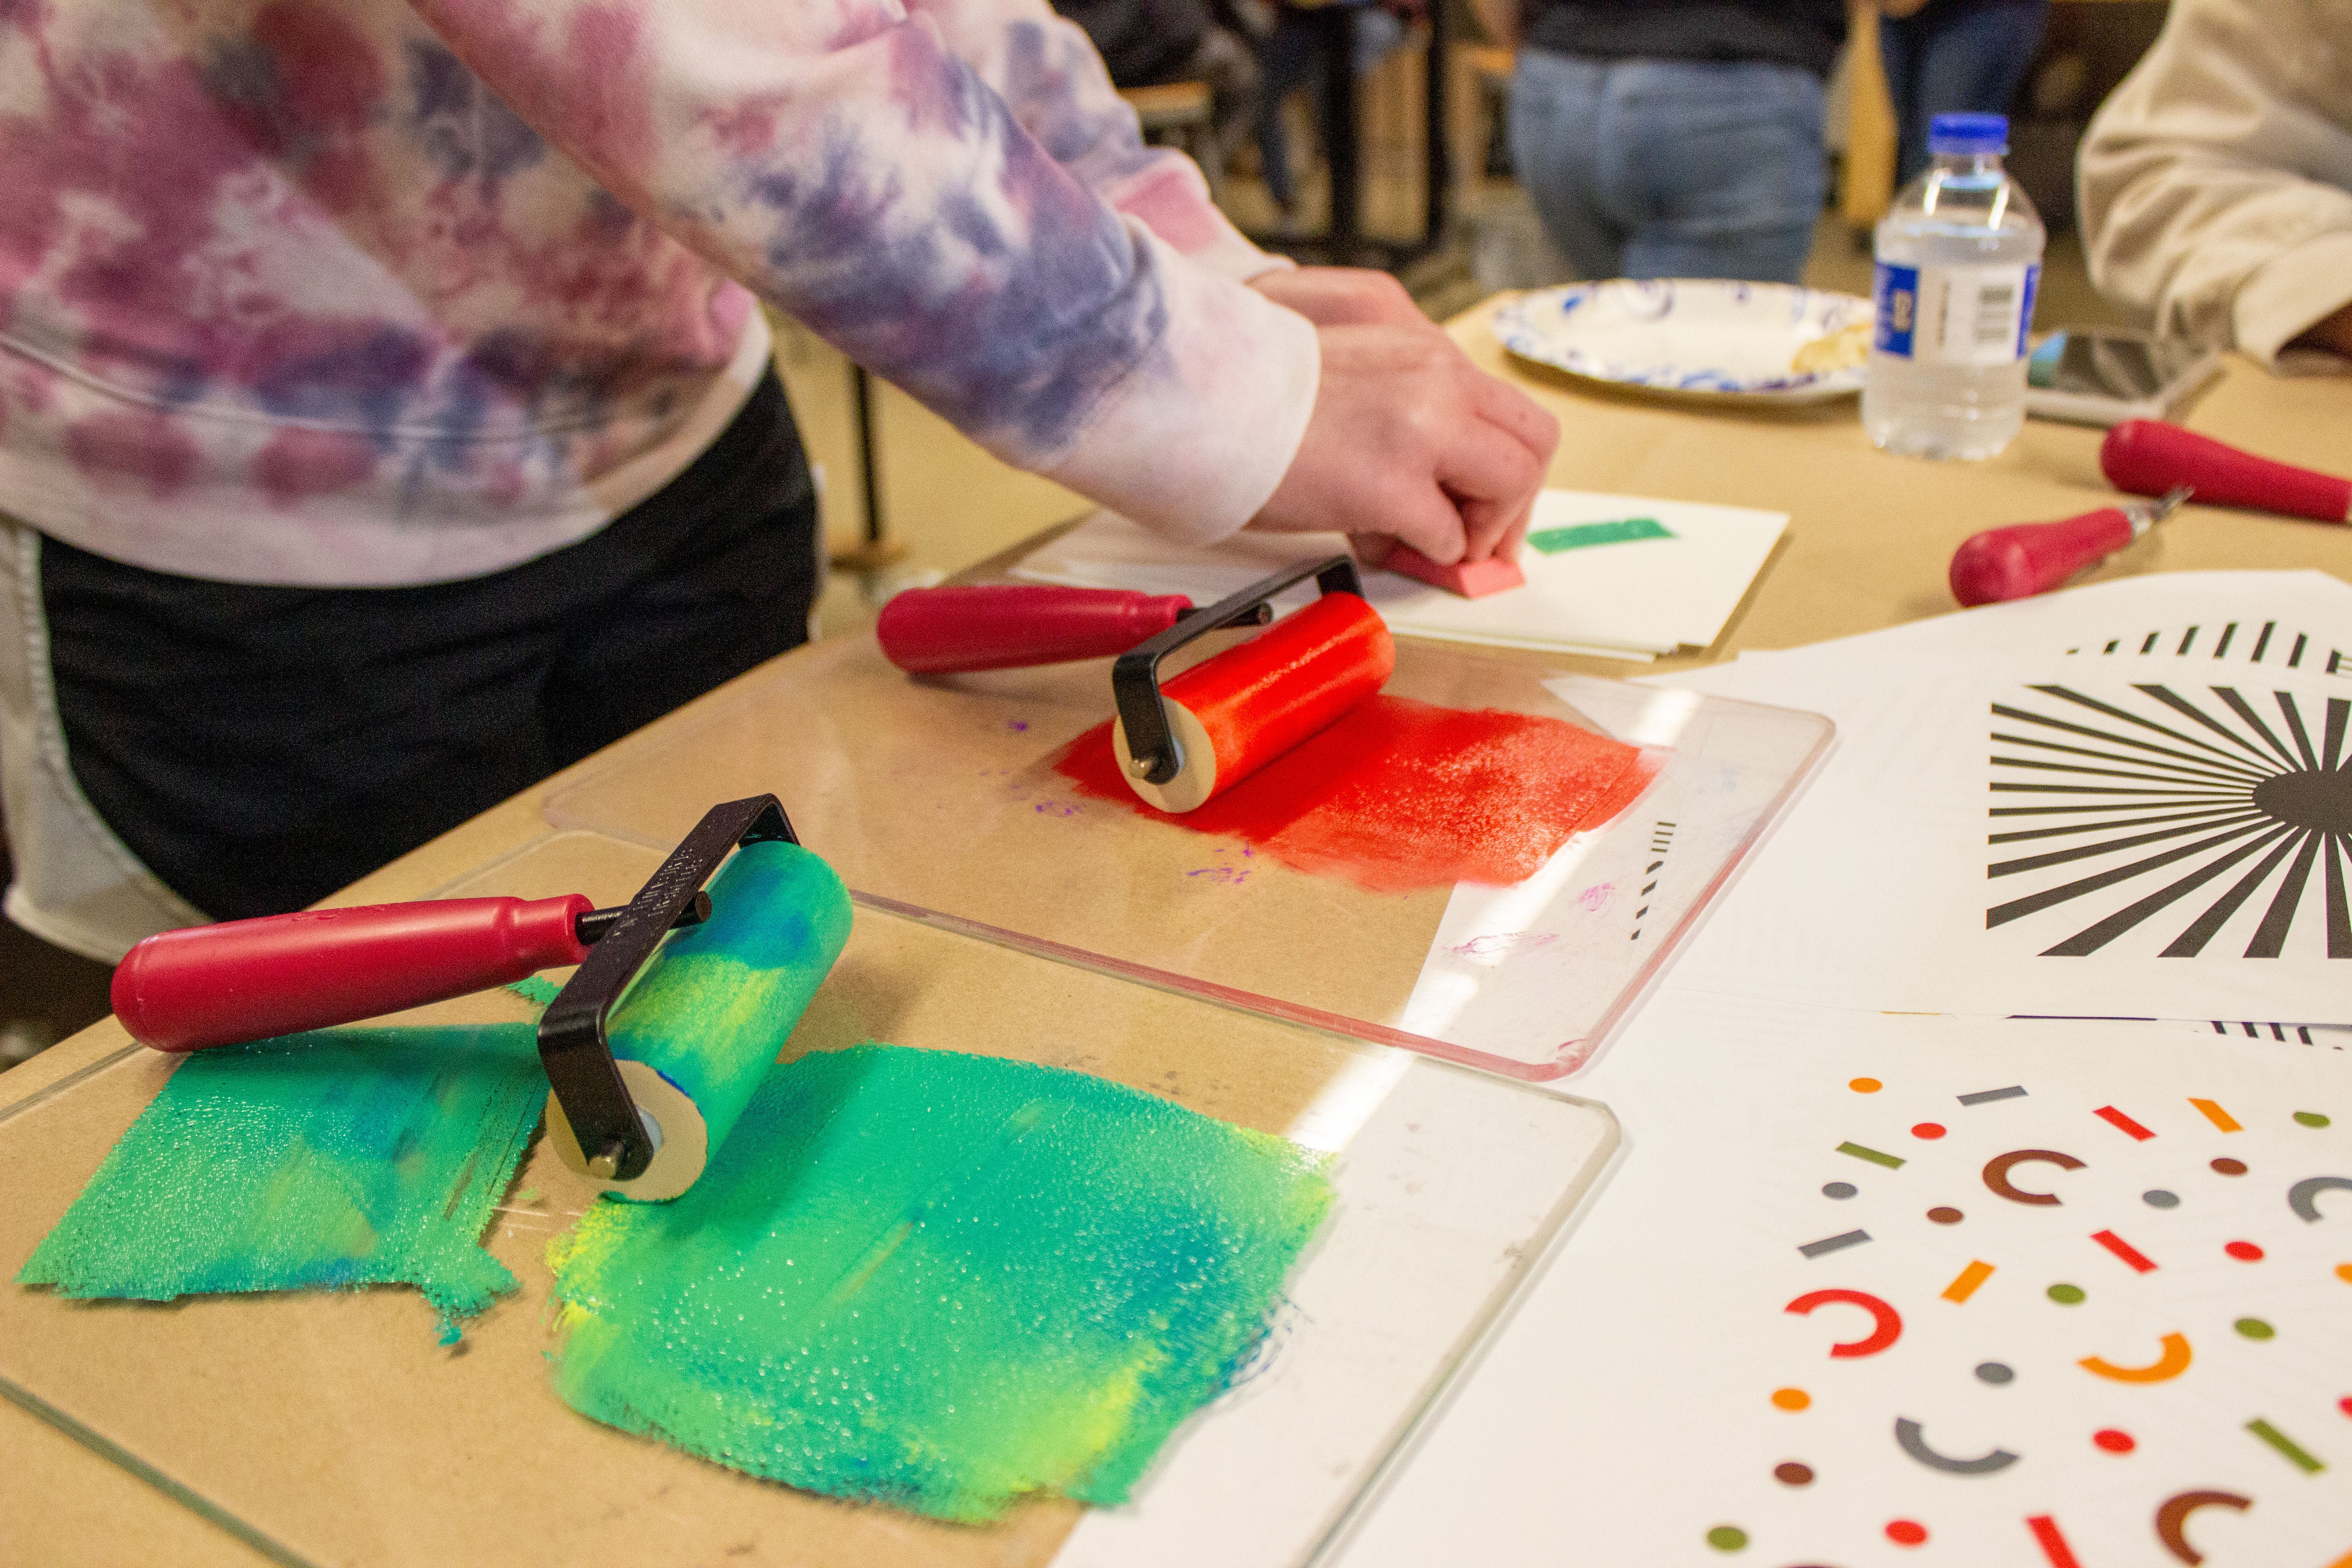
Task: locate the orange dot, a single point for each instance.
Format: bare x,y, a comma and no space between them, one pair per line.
2343,1272
1794,1399
1864,1085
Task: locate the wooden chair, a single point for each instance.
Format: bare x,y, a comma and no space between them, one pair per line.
1180,112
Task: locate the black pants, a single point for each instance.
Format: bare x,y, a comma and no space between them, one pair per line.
261,747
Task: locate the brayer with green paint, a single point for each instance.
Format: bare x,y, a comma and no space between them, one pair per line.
681,999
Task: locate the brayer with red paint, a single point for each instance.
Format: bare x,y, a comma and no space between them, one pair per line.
647,1074
1212,726
2148,456
2028,558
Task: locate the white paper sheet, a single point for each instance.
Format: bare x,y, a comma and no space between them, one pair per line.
1880,890
1630,600
1627,1410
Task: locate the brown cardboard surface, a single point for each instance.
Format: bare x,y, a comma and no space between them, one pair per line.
332,1425
439,1468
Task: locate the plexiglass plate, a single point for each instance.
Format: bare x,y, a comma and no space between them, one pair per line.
331,1428
937,799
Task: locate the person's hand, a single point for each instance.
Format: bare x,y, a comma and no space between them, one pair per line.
1342,296
1410,442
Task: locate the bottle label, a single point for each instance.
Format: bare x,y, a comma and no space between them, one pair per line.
1954,315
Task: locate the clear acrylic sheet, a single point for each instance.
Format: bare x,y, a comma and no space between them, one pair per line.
984,836
329,1428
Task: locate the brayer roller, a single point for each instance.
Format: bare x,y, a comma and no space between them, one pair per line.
653,1049
1182,744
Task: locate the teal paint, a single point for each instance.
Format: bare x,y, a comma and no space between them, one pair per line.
713,1009
1583,535
937,1281
348,1157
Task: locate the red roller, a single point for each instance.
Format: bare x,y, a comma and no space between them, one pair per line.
1234,714
2148,456
247,980
939,631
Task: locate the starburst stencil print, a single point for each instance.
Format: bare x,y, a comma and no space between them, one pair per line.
2217,820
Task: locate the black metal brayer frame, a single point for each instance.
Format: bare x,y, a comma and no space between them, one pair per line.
572,1045
1135,676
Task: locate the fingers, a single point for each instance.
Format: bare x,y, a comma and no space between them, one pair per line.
1493,477
1503,405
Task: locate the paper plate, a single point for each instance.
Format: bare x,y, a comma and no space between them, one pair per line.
1699,337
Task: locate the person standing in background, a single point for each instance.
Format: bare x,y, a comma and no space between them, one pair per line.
1952,57
1677,140
2217,182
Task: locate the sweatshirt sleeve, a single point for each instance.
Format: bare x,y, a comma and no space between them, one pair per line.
1048,73
2217,181
841,159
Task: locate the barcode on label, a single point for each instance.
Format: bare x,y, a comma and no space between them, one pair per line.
1996,318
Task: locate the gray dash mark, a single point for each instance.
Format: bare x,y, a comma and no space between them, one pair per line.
1834,1242
1987,1096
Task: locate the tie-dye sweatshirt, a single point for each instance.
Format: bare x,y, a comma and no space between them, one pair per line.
360,292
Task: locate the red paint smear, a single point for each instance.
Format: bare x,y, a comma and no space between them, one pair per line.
1400,795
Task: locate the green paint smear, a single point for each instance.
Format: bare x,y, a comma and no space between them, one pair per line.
1580,535
538,990
937,1281
325,1161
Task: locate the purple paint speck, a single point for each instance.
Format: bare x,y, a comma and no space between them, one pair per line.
1016,724
1592,897
1497,945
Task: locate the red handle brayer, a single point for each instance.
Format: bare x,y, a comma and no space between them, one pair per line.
2030,558
2147,457
279,974
941,631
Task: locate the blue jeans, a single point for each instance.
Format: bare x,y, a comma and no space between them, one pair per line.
1671,168
1953,57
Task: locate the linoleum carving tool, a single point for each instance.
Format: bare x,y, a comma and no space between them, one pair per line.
2030,558
653,1046
942,631
2148,456
1216,723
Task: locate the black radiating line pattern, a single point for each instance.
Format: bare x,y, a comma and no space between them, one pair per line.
2177,810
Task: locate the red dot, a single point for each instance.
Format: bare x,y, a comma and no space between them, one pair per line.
1926,1130
2345,1405
1903,1532
2114,1442
2243,1251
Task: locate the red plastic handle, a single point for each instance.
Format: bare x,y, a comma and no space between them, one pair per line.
2032,558
247,980
2148,457
936,631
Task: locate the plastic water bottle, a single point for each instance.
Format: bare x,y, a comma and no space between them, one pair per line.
1959,257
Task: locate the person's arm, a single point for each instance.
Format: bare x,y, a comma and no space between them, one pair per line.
1048,73
2213,181
846,165
850,167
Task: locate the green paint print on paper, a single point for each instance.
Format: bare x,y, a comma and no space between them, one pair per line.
316,1162
937,1281
1581,535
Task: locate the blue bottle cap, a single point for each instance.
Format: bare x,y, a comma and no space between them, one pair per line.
1965,134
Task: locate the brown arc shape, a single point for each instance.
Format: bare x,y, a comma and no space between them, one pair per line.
2173,1512
1997,1169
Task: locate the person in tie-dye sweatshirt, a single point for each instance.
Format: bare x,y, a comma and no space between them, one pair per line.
319,297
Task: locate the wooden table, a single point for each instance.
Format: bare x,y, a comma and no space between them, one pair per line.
1868,541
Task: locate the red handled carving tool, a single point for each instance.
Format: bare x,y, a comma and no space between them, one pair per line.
2030,558
2148,456
281,974
942,631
